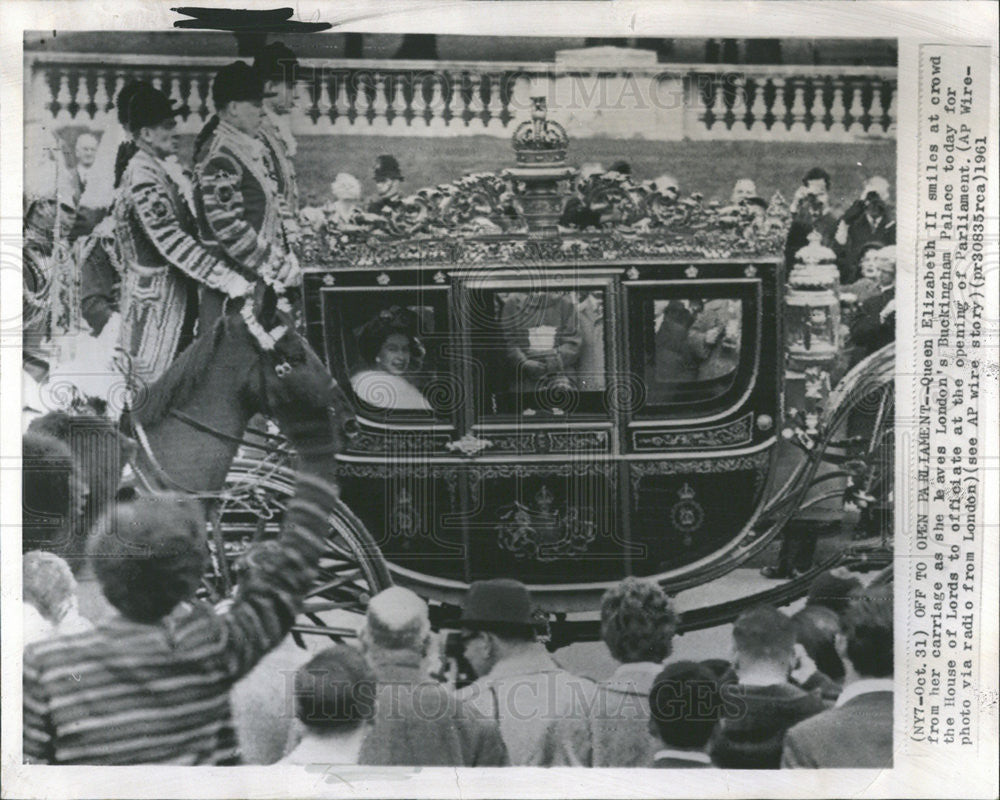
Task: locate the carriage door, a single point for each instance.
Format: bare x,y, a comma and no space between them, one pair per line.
388,342
539,441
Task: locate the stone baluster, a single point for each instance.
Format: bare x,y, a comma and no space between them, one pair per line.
837,110
717,110
102,101
456,104
382,102
200,97
856,111
419,88
758,107
88,86
520,98
341,106
63,99
172,88
817,110
476,107
494,108
780,109
434,115
740,107
798,108
890,108
362,104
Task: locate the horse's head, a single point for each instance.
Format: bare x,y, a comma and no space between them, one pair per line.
292,382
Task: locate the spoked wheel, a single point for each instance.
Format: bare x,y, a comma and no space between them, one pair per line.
250,510
856,437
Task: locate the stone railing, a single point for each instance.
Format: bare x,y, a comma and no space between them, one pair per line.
441,99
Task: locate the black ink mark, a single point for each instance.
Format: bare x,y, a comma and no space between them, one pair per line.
243,20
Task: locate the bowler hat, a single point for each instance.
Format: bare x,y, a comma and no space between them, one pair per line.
237,82
500,605
277,62
149,107
386,168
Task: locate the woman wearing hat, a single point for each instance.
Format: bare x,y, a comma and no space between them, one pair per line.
389,345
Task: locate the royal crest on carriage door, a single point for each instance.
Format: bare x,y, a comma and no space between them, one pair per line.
541,531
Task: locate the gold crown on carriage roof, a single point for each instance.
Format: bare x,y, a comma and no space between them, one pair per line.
540,141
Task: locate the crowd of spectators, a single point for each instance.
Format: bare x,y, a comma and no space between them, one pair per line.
154,679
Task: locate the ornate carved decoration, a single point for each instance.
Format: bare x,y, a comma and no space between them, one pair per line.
469,445
479,219
757,462
480,472
540,532
737,432
398,442
551,442
687,515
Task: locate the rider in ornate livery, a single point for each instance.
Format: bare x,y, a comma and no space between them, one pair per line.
278,69
163,263
240,214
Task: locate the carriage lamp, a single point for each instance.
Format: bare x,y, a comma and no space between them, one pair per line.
813,305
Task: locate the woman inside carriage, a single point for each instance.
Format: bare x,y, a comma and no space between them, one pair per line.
393,355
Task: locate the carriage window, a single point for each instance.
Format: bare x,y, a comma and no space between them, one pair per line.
541,352
691,347
393,348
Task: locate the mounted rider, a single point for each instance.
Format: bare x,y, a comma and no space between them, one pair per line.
279,71
240,211
165,267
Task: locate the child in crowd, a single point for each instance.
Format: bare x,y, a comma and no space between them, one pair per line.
50,599
684,705
335,702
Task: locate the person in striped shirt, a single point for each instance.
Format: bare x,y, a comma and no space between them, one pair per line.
151,685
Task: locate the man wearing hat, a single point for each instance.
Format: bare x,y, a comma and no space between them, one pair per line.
239,211
388,180
542,709
163,263
278,70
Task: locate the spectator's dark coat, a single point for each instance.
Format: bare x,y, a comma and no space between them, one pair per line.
753,737
868,331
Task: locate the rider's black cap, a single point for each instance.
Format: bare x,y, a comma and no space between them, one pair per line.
277,62
149,107
237,82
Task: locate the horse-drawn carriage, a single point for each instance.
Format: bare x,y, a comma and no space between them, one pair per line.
566,407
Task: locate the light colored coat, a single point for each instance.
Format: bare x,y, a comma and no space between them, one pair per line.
619,723
541,708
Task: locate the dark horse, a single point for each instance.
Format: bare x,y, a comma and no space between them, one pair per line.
190,422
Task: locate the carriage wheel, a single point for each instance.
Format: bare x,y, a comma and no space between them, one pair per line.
351,567
856,436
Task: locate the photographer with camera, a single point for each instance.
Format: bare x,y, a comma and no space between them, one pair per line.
810,209
869,219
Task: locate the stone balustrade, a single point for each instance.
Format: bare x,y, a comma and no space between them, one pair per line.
443,98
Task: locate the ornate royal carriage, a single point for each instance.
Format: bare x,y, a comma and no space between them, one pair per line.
648,450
